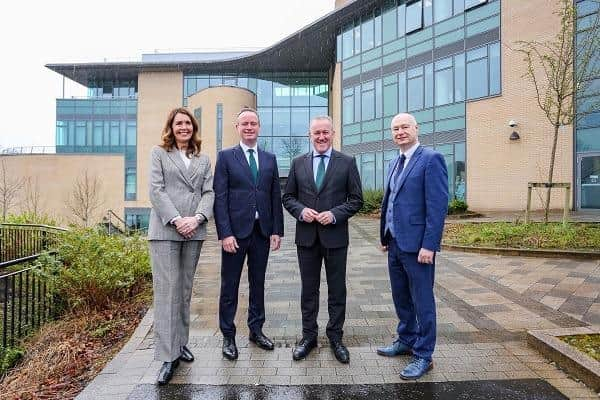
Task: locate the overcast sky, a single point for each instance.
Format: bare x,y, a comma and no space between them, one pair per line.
62,31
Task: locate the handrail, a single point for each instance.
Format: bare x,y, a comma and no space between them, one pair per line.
22,260
109,215
11,224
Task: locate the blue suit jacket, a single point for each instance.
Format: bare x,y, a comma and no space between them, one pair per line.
237,198
421,203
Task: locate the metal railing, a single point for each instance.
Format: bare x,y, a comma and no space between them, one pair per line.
24,301
23,240
115,224
14,151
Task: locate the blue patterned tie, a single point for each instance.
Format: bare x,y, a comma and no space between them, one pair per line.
399,169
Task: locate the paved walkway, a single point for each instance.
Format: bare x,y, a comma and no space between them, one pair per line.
485,306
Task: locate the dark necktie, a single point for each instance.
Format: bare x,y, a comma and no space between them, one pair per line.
253,167
400,168
320,171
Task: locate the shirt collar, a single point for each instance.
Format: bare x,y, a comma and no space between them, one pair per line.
327,153
246,148
408,153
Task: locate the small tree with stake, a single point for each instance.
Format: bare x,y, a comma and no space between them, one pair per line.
560,69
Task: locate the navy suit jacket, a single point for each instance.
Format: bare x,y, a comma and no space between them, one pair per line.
421,203
237,197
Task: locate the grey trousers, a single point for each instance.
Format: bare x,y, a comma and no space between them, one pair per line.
173,268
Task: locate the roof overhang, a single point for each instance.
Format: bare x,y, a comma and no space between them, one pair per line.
311,49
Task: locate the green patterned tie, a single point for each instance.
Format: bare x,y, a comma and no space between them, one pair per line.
320,171
253,167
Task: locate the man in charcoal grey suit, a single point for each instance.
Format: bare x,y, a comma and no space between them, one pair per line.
323,191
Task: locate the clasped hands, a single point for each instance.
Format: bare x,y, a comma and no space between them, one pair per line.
186,226
324,218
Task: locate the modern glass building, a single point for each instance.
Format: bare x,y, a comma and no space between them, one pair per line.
448,62
587,130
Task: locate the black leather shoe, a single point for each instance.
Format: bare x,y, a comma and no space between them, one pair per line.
303,348
186,355
166,372
230,350
261,341
341,352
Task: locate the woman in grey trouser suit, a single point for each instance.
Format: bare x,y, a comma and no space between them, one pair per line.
182,201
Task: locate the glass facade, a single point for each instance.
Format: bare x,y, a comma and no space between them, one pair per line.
587,126
434,56
104,123
285,103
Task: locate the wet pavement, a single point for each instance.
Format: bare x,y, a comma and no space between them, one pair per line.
524,389
486,304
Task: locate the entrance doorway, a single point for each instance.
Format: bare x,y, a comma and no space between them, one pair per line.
588,181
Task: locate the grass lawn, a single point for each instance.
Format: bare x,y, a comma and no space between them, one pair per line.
524,236
588,344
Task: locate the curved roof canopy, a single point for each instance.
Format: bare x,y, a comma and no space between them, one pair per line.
310,49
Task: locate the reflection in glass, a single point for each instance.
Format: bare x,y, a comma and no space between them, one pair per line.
442,10
368,35
281,121
590,182
414,16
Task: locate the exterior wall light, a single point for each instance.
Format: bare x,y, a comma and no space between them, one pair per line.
514,135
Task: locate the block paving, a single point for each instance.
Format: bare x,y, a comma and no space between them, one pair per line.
485,305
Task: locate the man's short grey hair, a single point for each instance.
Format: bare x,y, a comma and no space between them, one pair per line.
410,116
322,117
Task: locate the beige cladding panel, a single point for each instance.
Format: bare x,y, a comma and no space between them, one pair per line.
158,94
341,3
498,169
233,100
54,176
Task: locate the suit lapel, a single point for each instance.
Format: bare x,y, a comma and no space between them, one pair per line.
411,164
238,153
262,163
330,168
194,166
176,159
308,166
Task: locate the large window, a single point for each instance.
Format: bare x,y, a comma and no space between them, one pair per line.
473,3
483,71
415,86
442,9
348,106
414,16
444,82
368,34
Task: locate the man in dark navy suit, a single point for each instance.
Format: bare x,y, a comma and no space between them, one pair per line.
249,219
412,222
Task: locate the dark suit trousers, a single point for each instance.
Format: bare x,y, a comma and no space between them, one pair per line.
310,259
412,292
256,248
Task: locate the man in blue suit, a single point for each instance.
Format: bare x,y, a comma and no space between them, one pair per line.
249,219
412,222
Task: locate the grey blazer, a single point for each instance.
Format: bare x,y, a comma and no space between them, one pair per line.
178,191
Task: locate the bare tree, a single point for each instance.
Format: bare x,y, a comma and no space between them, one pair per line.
560,69
9,189
86,197
292,147
31,197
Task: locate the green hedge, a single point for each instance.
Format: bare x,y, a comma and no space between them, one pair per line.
93,269
371,201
